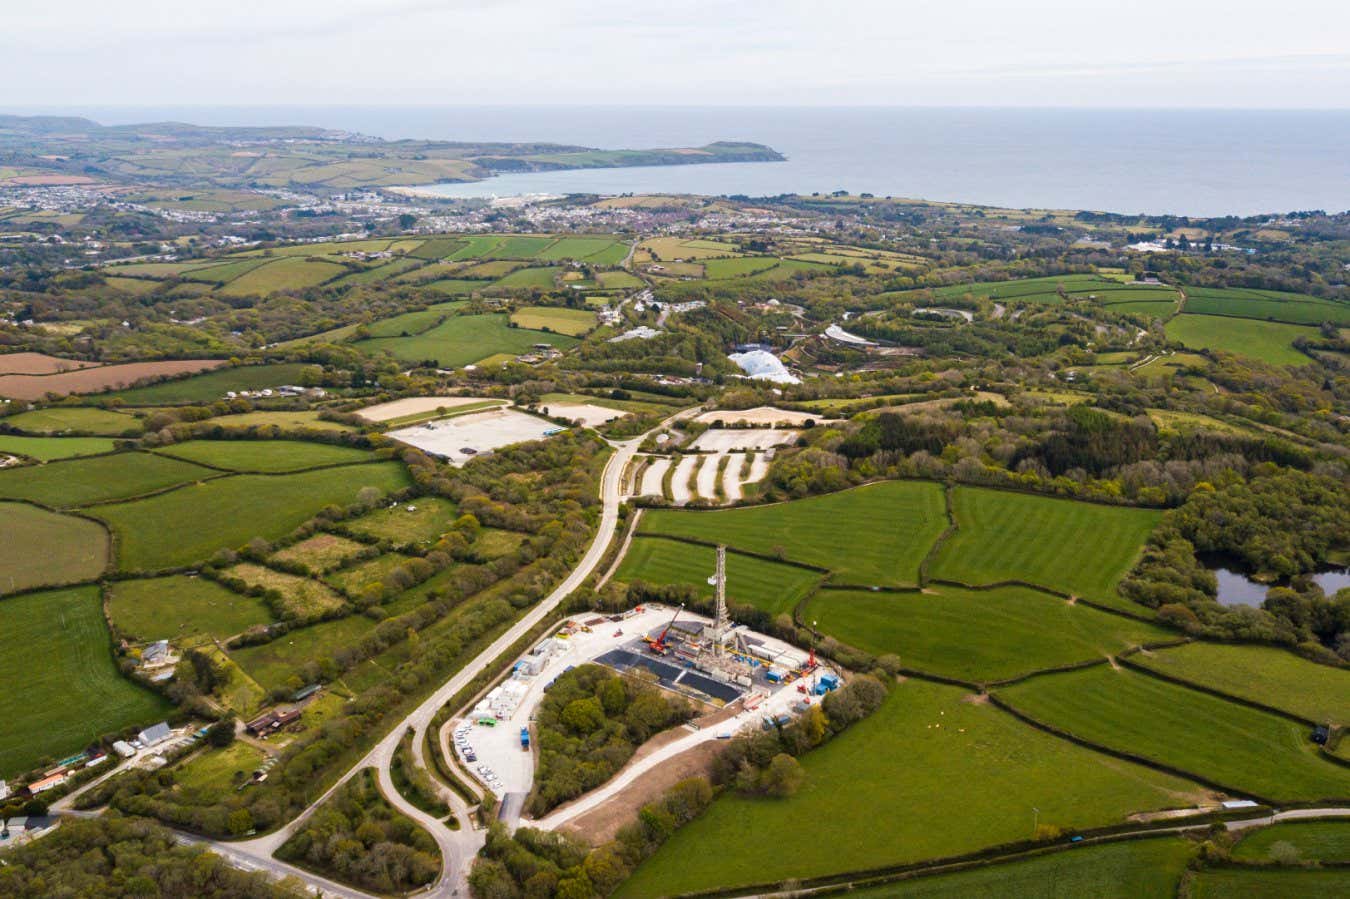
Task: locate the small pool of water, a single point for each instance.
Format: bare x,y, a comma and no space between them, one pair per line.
1237,589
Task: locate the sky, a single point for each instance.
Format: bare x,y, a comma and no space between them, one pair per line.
1092,53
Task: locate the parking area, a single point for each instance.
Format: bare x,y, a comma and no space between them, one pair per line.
459,439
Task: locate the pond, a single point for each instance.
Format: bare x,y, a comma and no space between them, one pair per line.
1238,589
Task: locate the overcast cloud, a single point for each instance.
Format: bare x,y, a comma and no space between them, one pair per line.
1239,53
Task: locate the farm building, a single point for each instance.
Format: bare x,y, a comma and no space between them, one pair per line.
124,749
46,783
156,653
271,721
154,734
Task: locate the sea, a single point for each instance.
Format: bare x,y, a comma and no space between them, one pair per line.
1158,161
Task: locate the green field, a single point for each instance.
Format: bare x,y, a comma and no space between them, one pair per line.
720,269
1077,547
462,339
283,274
517,246
81,419
211,774
1267,341
574,322
168,608
600,250
264,455
47,449
1264,674
431,517
1126,870
876,534
38,547
976,635
188,525
525,278
371,571
213,385
76,482
476,246
295,598
1271,305
1239,747
1321,841
284,420
321,552
1268,883
770,586
270,664
64,688
929,774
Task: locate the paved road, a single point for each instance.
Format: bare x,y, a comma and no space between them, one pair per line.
458,848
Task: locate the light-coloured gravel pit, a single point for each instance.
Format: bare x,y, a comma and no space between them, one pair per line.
459,439
416,405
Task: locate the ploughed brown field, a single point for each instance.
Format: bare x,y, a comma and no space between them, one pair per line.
39,364
96,380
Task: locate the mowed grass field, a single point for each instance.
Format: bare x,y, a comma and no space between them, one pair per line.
76,482
976,635
1264,674
928,774
1267,341
81,419
279,419
213,385
48,449
1266,304
270,664
1125,870
1236,746
169,608
424,519
462,339
573,322
1322,841
771,586
1077,547
264,455
876,534
188,525
1268,883
39,547
63,689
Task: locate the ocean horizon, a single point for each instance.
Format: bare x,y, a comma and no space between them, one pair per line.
1206,162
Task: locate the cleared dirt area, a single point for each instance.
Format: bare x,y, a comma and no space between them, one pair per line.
653,477
601,824
679,484
590,416
706,480
478,432
760,415
721,441
39,364
98,379
416,405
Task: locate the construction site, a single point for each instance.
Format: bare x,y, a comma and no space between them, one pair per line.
756,681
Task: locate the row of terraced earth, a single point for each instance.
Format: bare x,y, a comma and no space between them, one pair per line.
1033,693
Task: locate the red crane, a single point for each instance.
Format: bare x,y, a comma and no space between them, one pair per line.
658,645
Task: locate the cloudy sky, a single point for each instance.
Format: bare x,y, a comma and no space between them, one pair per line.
1236,53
